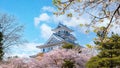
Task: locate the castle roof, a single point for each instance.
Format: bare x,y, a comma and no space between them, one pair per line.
58,38
49,45
61,26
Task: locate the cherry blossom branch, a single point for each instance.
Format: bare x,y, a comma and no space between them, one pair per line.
105,31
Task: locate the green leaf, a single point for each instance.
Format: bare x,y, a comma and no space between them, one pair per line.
79,0
69,15
95,30
59,8
87,31
108,13
81,25
101,20
89,46
64,5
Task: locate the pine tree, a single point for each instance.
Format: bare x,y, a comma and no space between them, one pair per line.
68,46
109,55
1,46
68,64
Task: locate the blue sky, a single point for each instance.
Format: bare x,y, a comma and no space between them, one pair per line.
38,19
25,11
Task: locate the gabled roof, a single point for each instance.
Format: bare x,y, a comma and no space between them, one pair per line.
61,26
57,38
72,37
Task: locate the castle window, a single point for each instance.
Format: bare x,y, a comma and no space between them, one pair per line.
66,32
61,33
43,50
58,31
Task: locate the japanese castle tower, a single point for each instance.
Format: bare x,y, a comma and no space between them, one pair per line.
62,34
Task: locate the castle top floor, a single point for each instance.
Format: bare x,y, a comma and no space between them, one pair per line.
62,28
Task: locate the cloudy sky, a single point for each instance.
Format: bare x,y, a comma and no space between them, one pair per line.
38,19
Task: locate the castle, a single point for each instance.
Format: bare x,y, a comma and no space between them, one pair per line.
62,34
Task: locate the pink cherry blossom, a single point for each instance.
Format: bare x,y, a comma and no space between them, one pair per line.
52,59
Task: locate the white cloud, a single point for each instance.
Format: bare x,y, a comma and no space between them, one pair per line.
45,31
48,8
25,50
73,21
42,17
57,19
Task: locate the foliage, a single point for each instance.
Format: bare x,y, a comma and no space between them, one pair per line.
68,46
97,11
1,46
68,64
92,63
109,55
89,46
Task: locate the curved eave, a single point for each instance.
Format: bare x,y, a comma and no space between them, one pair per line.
53,35
57,29
73,37
49,45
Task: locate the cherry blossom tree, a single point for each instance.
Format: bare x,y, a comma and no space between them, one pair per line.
59,58
96,11
21,63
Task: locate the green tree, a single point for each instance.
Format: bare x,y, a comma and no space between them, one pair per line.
109,55
1,46
68,64
68,46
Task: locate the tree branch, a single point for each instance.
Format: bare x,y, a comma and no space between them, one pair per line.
66,6
105,31
96,16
